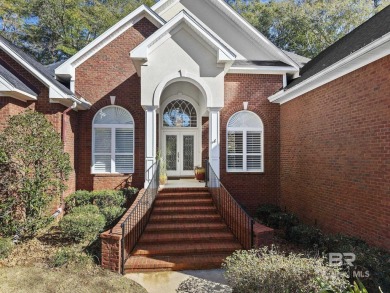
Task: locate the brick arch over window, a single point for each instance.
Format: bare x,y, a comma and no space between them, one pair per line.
113,141
245,143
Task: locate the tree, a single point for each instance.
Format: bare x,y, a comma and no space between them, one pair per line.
54,30
33,167
307,27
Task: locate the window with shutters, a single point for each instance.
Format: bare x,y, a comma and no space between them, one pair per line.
245,143
113,141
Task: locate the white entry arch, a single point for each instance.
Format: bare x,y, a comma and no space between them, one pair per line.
184,77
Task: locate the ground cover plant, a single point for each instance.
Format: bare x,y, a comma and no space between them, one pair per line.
372,264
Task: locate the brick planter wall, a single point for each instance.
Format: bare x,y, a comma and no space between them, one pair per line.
335,155
111,241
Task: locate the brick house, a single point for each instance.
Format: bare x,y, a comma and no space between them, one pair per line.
192,80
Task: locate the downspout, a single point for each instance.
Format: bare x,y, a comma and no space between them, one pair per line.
63,136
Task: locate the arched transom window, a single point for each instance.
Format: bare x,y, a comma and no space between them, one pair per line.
245,143
113,141
179,113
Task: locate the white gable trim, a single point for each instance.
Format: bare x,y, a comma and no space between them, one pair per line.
253,33
142,51
55,92
68,67
262,70
7,89
366,55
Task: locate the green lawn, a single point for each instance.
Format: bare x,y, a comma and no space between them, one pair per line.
63,280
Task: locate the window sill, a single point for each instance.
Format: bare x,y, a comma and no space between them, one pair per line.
245,173
111,174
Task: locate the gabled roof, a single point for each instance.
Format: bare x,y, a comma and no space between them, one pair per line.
57,91
235,17
365,44
68,67
142,51
371,30
13,86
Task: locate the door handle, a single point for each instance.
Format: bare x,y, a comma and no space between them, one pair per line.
178,157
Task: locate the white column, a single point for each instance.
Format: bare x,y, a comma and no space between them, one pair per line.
214,139
150,141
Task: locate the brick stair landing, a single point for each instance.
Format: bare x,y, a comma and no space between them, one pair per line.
185,232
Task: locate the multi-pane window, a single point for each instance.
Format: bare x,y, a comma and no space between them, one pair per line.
113,141
245,143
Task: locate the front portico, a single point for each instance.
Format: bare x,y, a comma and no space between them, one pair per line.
182,70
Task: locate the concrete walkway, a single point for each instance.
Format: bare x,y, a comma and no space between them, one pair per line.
201,281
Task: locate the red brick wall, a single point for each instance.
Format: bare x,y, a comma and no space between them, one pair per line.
53,112
335,154
253,189
110,72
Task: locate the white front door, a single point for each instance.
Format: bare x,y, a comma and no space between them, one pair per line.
179,151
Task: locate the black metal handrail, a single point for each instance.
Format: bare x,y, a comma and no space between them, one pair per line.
237,219
134,225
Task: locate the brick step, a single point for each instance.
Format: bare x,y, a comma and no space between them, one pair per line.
184,189
184,195
185,227
183,202
182,237
174,263
184,218
178,248
184,210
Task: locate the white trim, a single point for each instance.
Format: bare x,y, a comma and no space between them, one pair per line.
112,153
225,8
54,91
197,131
182,76
262,70
364,56
68,67
10,90
142,51
244,154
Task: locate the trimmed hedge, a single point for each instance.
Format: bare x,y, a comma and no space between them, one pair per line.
83,223
267,270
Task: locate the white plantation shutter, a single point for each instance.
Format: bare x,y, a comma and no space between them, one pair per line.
102,140
124,158
253,151
235,151
113,142
245,143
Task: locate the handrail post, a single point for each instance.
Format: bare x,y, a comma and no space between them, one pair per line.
123,249
252,233
206,176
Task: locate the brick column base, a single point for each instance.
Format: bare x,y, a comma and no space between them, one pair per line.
111,251
263,235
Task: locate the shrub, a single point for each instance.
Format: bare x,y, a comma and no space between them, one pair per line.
112,214
305,235
264,211
282,220
108,198
368,258
266,270
33,167
83,223
78,198
6,247
130,192
107,202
